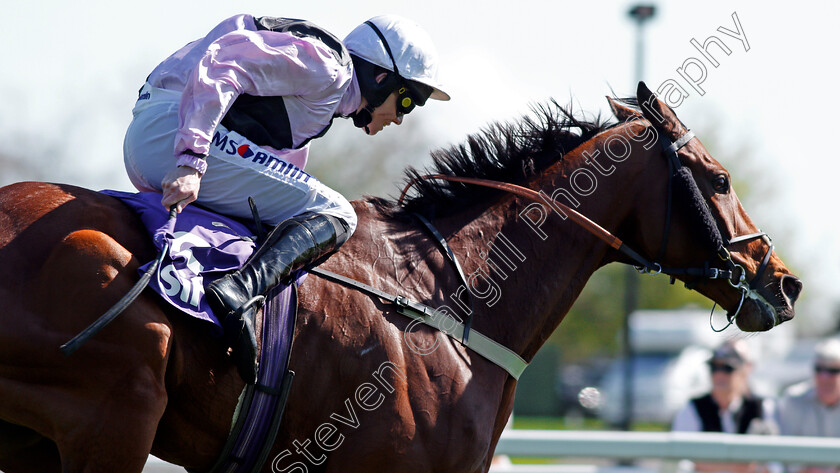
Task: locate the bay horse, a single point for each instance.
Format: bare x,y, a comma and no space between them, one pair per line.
154,381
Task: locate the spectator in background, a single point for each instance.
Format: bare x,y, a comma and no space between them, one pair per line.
729,407
813,408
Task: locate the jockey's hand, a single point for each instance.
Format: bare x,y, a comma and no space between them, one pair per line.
180,186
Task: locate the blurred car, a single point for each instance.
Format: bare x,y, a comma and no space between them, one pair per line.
662,384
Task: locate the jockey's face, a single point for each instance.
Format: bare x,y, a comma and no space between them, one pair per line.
384,115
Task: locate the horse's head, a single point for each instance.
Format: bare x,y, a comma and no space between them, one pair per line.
709,241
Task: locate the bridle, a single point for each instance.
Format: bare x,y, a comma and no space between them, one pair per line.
734,273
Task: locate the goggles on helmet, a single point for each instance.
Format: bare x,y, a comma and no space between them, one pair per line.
411,94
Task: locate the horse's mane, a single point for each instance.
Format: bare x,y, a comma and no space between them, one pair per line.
503,151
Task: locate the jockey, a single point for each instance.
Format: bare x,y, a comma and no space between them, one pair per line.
233,113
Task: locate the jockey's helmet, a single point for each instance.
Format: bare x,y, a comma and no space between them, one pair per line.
405,52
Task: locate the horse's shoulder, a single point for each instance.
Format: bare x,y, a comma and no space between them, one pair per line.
388,251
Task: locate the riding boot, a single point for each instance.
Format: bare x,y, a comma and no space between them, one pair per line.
304,240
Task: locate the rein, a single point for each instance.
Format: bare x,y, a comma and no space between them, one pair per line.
574,215
734,273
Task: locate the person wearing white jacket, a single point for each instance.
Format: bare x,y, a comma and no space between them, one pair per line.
812,408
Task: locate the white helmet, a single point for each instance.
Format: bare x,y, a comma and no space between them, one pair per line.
390,42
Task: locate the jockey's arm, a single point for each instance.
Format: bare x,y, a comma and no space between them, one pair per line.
260,63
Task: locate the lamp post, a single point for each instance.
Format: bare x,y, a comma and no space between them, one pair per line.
640,14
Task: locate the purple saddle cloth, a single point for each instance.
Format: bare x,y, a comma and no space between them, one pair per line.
204,246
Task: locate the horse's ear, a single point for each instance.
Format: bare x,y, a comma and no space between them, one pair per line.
621,111
658,113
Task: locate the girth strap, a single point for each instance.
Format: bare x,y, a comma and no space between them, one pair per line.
499,354
259,411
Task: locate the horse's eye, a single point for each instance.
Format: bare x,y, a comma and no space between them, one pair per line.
721,184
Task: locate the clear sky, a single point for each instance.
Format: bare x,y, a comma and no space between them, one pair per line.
71,71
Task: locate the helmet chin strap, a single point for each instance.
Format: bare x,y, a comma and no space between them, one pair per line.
363,117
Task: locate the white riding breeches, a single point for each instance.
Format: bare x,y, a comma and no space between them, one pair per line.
236,168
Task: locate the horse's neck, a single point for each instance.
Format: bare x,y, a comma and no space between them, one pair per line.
525,277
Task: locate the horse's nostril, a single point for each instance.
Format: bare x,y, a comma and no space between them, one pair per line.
791,287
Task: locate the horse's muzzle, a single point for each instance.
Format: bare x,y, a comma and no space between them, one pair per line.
791,287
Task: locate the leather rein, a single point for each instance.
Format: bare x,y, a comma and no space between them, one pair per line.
734,273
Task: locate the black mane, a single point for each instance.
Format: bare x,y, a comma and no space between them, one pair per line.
509,152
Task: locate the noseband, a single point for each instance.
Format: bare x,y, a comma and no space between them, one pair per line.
734,273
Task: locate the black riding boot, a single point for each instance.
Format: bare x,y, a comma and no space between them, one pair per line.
307,239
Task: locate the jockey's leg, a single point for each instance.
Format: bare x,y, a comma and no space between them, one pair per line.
305,240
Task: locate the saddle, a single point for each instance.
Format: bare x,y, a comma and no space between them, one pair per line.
199,248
